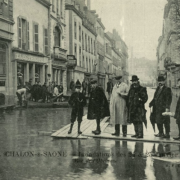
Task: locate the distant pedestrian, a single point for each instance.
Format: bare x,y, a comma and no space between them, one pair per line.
161,102
109,88
72,86
60,87
89,87
21,94
84,87
77,102
44,92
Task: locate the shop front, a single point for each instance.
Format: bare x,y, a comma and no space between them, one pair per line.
29,66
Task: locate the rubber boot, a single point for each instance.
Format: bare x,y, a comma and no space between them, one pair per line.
117,130
124,130
79,124
140,130
70,130
135,129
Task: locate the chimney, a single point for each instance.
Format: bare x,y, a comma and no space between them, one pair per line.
89,4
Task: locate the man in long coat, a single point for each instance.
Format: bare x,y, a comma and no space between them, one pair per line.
118,108
137,97
161,103
177,114
98,105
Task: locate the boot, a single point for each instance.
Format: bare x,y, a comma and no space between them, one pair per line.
79,124
140,130
98,129
116,130
124,130
136,130
70,130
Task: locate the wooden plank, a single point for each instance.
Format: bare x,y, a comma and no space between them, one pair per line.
60,130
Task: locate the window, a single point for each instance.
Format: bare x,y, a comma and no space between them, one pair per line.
36,37
91,46
89,43
57,6
23,34
53,5
83,63
94,48
57,37
75,30
46,41
2,59
79,33
80,57
61,8
86,42
82,40
75,50
87,64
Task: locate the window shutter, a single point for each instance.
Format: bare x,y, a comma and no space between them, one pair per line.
28,43
19,33
36,38
46,41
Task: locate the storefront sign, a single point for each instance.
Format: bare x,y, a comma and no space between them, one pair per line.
31,58
71,60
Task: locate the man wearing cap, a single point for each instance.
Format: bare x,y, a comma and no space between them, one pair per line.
118,108
77,101
98,105
137,97
161,102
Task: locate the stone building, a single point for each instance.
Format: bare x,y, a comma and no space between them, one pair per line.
58,49
6,38
80,39
168,55
30,47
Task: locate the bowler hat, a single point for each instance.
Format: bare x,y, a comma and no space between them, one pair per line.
134,78
93,81
118,77
161,78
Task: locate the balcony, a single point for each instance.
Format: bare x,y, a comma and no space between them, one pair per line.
59,54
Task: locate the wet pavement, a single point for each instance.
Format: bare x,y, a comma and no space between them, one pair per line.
26,155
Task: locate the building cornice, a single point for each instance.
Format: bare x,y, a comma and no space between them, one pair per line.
99,21
56,19
44,3
71,7
15,49
7,21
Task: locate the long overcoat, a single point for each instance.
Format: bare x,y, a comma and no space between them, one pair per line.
118,108
177,112
137,97
98,105
160,102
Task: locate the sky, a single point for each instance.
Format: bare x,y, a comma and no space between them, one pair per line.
139,22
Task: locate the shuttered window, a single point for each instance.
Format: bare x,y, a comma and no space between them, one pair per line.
36,37
23,34
46,41
2,59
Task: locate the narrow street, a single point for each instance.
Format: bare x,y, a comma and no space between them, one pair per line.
25,154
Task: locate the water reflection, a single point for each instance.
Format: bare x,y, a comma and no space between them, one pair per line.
84,159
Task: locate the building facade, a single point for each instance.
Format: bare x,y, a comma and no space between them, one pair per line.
6,39
80,40
168,56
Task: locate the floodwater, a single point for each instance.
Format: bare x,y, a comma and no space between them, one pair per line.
26,155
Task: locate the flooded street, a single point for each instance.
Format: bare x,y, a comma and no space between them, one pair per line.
25,154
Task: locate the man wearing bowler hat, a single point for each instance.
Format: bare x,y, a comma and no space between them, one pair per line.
118,108
161,102
98,105
137,97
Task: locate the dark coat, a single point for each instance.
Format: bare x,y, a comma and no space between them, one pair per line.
160,103
177,112
109,87
136,99
72,85
98,105
77,101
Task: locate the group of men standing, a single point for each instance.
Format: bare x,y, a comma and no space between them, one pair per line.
127,105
